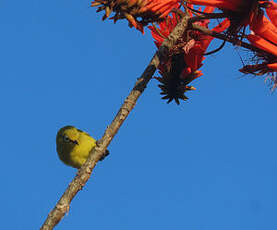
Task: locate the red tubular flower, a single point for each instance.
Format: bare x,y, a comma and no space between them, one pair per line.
272,66
262,44
222,4
270,61
240,12
264,36
264,31
271,11
262,27
185,58
166,28
138,12
160,7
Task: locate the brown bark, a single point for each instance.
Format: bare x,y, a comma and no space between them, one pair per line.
62,206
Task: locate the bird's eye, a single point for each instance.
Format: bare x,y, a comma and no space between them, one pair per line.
66,138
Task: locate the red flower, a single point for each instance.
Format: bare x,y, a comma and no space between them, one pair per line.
262,44
222,4
241,13
271,11
270,61
264,36
138,12
264,28
185,59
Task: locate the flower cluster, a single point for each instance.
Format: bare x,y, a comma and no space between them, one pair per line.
249,22
138,12
244,14
240,16
264,36
182,65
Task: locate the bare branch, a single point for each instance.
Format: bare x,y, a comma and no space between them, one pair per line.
55,216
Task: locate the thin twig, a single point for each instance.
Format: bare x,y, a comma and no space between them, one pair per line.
223,37
207,16
198,12
55,216
215,50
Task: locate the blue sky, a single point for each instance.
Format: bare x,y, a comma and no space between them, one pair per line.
209,163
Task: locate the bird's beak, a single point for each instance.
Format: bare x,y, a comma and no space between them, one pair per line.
75,142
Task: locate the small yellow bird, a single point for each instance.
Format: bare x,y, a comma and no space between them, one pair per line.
74,146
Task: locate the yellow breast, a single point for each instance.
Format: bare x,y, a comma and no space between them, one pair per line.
80,152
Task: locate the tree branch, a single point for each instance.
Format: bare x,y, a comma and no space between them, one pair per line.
82,176
223,37
57,213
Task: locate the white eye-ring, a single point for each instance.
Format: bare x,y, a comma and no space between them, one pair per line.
66,138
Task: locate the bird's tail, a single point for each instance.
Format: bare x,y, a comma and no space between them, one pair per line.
107,152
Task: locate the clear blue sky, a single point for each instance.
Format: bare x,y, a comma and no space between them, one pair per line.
208,164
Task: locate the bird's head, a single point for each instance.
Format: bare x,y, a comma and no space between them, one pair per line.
68,136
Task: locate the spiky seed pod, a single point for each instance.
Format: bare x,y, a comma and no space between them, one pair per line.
173,86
